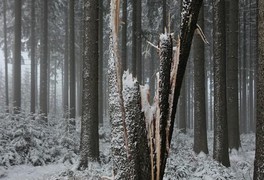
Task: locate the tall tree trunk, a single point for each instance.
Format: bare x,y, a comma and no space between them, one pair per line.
124,36
188,27
259,157
200,131
164,15
55,89
232,73
182,108
101,58
89,122
43,94
17,60
72,62
66,68
220,152
136,40
6,61
33,56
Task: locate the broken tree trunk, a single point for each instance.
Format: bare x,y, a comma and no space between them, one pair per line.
136,131
190,14
129,140
162,113
131,156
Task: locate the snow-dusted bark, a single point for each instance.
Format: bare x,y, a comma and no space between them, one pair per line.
162,114
138,152
127,127
190,14
120,153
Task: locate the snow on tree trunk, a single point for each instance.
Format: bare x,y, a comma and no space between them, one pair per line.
138,152
131,155
120,153
162,114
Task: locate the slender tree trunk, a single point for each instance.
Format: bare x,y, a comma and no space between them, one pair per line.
89,122
6,61
164,14
232,74
43,94
220,152
72,62
55,89
17,60
188,27
200,130
182,108
124,36
259,157
101,58
33,56
136,40
66,68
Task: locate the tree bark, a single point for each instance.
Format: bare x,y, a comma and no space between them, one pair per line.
259,157
124,36
6,61
17,60
232,74
89,150
200,130
182,108
72,62
136,40
101,58
43,94
188,26
33,56
138,153
66,68
220,152
163,121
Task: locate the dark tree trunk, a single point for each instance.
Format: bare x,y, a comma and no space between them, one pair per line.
17,60
153,57
66,68
33,56
259,157
89,150
188,27
164,14
72,62
136,40
220,152
101,58
163,94
43,94
232,74
200,130
124,36
6,61
182,108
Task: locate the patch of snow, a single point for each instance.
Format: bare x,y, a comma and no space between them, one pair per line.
33,173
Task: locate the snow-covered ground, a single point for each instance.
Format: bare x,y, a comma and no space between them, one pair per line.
182,163
28,172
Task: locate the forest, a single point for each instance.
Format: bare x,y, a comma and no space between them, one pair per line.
132,89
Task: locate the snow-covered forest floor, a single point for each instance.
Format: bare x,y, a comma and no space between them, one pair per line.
26,144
